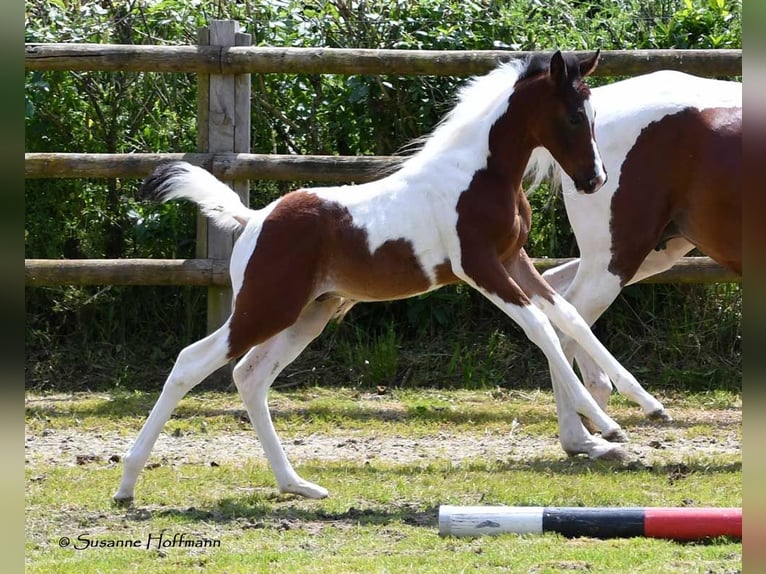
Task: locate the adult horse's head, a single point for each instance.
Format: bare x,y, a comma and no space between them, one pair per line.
563,122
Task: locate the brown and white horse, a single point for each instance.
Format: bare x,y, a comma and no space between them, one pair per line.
672,146
454,211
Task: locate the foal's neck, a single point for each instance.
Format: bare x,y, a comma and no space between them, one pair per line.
511,142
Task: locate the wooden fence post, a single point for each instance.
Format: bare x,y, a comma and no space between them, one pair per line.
223,116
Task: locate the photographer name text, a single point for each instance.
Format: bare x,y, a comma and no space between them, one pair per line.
159,540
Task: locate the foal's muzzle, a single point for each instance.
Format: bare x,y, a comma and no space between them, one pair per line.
590,185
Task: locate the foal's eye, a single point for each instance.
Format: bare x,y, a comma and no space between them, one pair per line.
577,118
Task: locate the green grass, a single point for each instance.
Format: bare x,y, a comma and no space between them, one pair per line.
382,513
381,518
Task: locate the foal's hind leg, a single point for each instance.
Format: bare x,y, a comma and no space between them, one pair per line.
193,364
255,373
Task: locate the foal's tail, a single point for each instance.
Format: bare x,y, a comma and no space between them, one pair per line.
217,201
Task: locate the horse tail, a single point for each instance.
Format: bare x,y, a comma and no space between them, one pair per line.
542,167
217,200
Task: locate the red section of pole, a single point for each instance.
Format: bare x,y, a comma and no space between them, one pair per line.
692,523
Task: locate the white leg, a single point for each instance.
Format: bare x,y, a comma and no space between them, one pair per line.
193,364
507,286
595,379
591,290
567,386
569,321
561,277
590,308
254,375
581,283
662,260
575,437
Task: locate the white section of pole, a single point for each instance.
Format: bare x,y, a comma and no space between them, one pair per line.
489,520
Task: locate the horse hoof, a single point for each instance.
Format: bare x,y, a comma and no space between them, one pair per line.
306,489
615,454
617,435
660,415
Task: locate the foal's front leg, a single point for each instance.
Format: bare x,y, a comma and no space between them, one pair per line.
569,321
489,277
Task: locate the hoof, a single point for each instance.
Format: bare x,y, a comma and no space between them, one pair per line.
307,490
614,454
660,416
618,435
602,451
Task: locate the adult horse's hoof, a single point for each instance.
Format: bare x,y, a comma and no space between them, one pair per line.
618,435
660,416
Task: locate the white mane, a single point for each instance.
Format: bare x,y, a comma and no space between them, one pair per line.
464,131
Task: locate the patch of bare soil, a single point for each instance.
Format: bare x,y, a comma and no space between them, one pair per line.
693,433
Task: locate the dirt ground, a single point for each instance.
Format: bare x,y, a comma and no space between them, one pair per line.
693,433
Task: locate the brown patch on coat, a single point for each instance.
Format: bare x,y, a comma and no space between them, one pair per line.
682,177
494,215
444,274
308,247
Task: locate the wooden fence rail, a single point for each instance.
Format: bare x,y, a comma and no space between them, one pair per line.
319,168
215,272
224,65
260,60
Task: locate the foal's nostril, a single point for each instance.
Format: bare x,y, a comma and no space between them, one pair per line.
594,184
590,185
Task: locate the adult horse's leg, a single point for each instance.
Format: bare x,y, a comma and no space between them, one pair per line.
594,378
194,363
659,260
254,375
590,304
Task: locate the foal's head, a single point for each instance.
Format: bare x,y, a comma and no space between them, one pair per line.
563,116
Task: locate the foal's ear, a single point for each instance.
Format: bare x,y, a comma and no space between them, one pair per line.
588,64
558,68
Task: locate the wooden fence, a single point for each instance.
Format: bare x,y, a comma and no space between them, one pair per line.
223,61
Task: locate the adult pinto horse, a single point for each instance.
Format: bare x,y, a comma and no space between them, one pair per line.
672,146
454,211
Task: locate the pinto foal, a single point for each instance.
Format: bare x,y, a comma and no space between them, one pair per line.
454,211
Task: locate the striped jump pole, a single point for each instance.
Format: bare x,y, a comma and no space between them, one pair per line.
599,522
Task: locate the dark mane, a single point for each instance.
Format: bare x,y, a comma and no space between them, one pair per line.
536,64
540,62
